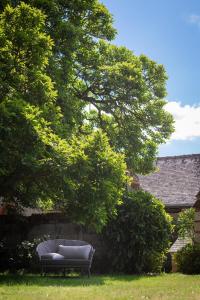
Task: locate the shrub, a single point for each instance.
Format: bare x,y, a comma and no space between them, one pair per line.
188,259
185,224
138,238
23,256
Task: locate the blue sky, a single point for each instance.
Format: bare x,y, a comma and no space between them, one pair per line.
169,33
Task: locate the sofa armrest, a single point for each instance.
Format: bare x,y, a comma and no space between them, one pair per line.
92,251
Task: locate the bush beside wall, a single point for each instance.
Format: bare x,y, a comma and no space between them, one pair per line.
138,239
188,259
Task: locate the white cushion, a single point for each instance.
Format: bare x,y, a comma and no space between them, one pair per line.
75,252
52,255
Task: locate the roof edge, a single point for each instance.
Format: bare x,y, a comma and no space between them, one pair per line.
180,156
179,205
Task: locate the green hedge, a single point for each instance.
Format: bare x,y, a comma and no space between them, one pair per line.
188,259
138,238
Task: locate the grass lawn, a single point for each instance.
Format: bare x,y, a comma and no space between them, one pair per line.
162,287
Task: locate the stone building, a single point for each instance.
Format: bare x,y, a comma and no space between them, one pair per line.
176,182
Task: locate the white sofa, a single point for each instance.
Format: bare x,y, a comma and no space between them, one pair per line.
65,254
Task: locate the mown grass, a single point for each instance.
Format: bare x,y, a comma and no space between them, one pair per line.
162,287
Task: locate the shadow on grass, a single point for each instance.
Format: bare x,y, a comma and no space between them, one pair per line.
128,278
52,280
48,280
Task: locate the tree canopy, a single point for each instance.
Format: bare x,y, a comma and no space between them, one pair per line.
75,110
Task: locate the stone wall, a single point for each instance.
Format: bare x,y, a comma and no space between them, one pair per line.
197,226
13,230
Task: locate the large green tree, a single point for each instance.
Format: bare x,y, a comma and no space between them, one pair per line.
64,90
127,91
83,175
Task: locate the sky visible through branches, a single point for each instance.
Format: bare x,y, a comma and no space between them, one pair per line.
169,33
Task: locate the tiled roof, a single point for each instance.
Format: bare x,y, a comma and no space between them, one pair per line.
179,244
176,181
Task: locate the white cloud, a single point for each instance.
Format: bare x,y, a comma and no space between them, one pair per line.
187,120
194,19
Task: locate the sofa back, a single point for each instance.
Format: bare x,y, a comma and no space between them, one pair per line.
52,245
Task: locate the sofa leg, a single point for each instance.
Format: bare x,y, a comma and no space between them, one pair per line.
89,273
43,271
64,272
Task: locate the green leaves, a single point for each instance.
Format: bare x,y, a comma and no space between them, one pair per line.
99,178
131,91
185,224
88,70
188,259
138,237
55,151
24,53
